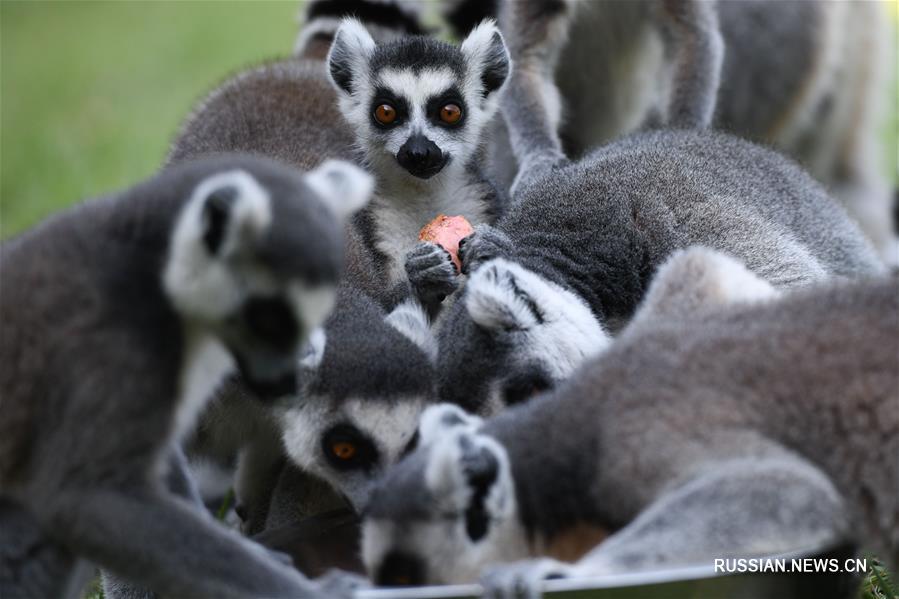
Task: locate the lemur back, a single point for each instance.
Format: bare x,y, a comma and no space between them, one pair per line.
806,77
677,443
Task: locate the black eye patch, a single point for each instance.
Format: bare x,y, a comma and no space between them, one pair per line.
382,95
347,448
436,103
522,387
481,470
271,320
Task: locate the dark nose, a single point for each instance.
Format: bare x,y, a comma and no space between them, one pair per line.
420,156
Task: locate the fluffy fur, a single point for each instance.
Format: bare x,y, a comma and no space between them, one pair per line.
417,76
600,227
109,348
734,429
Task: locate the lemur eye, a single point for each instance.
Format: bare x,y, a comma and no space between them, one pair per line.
450,114
349,449
343,450
385,114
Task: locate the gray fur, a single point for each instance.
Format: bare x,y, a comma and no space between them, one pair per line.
734,430
808,78
105,349
412,74
599,227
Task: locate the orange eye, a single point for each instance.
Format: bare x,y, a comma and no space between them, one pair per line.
450,114
343,450
385,114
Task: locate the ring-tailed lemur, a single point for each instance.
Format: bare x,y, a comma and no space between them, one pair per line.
575,250
287,109
720,429
418,107
809,78
361,390
121,316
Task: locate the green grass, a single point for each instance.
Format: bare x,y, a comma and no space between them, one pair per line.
91,93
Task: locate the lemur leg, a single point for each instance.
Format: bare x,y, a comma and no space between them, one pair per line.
486,243
258,469
32,565
431,273
181,483
741,508
163,543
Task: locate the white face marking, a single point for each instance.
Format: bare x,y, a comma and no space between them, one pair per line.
206,364
568,334
208,286
312,305
390,425
441,542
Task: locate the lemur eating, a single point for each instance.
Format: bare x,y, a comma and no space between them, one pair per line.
727,420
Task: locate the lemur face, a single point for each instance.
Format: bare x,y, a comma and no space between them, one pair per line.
446,510
516,334
418,104
254,261
350,443
362,393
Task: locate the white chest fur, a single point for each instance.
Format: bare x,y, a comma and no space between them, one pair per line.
206,363
400,213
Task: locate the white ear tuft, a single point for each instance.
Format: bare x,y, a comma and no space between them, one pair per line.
343,187
409,318
349,54
441,418
314,349
485,48
494,300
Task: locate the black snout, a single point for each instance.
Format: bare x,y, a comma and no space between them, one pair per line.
421,157
269,389
400,570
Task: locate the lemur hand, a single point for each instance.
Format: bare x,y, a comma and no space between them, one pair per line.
484,244
431,272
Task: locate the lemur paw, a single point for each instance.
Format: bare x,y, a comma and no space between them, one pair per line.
339,584
522,580
431,272
484,244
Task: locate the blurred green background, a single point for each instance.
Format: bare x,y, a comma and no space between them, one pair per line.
91,93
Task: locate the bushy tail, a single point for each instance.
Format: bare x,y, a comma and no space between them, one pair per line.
536,31
693,29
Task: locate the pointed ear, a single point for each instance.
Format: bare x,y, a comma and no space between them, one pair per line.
486,50
496,302
442,418
349,54
232,207
409,319
314,349
343,187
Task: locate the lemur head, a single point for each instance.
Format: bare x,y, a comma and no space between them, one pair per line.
362,393
255,255
418,104
444,511
513,334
